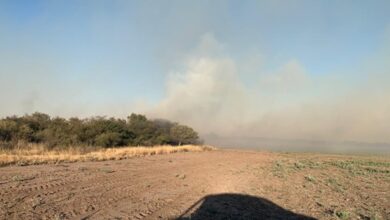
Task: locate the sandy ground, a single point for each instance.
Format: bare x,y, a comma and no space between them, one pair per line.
223,184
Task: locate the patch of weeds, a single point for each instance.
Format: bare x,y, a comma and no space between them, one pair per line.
309,164
107,170
310,179
181,176
334,183
60,216
346,165
371,163
376,170
369,217
22,178
359,167
374,217
299,165
342,214
70,195
279,169
36,202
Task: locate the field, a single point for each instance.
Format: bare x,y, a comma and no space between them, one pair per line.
218,184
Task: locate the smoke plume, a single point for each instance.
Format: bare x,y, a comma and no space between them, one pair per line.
286,102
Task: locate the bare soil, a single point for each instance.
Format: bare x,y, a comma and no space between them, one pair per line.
222,184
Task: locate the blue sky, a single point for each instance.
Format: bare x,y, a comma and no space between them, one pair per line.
107,57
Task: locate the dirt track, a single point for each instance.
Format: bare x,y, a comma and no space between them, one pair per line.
167,186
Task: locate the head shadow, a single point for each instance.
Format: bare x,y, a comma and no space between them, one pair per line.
237,206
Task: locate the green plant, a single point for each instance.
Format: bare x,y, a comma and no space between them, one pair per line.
310,178
342,214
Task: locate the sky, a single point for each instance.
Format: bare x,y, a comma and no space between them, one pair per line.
312,70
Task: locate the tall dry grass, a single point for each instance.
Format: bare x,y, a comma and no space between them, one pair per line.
38,154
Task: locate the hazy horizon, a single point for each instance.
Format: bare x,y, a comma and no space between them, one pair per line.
317,71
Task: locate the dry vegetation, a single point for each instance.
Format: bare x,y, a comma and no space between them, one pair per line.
38,154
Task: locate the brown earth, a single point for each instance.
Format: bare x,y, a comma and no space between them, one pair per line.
222,184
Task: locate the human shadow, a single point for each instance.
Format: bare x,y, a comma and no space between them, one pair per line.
237,206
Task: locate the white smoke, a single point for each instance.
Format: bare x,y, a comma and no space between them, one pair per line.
287,103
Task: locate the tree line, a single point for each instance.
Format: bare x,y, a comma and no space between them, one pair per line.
59,132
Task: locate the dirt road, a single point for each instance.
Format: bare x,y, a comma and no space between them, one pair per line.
220,184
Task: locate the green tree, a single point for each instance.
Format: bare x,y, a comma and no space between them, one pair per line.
145,131
183,134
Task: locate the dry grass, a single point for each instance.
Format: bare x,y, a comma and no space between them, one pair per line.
37,154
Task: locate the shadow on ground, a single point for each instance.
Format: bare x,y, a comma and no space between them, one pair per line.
237,206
